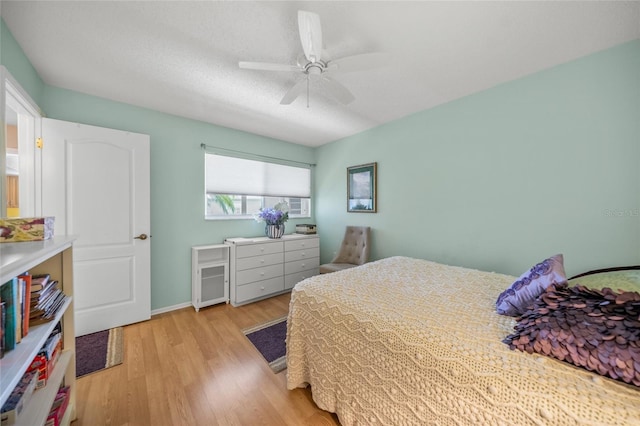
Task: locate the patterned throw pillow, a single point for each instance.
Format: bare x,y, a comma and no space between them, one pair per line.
597,330
525,290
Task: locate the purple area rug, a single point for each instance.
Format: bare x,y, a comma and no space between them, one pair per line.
97,351
269,339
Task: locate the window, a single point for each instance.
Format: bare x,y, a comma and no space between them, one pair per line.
238,187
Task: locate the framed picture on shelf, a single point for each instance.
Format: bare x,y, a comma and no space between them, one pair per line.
361,188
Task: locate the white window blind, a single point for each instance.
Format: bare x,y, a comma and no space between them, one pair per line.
232,175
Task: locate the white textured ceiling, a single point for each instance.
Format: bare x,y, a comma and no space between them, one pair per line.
181,57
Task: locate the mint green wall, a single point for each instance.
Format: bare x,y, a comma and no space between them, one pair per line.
501,179
14,59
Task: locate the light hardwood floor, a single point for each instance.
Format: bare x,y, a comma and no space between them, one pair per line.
188,368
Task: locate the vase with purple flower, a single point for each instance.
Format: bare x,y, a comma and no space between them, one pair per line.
274,218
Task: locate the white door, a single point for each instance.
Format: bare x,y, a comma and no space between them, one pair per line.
95,181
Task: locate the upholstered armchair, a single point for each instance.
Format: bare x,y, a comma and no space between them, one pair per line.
354,250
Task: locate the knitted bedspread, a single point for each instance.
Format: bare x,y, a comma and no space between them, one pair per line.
405,341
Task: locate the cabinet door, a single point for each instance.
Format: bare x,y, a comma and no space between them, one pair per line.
213,284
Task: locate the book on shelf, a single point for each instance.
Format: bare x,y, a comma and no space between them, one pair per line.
58,407
45,360
49,286
38,282
50,311
45,303
24,282
2,316
14,406
18,311
9,294
27,301
40,297
50,344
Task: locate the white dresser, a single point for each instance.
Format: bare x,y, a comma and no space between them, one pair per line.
263,267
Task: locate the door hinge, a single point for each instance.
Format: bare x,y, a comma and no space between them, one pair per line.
39,143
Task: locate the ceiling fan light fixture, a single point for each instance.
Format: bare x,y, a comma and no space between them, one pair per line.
313,66
314,69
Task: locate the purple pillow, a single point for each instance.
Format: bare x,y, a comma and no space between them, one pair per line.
515,300
603,340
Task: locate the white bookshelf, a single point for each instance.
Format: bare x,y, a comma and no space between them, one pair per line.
54,257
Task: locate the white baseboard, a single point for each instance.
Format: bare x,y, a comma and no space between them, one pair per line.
170,308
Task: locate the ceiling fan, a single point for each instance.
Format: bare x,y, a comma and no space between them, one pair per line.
314,64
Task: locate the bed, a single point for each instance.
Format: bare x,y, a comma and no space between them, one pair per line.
404,341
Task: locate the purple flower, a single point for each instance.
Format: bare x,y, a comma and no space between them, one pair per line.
273,216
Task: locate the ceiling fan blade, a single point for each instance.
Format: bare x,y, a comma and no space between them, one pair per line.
294,92
266,66
338,91
363,62
310,35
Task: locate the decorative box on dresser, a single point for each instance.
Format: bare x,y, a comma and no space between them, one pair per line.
53,257
263,267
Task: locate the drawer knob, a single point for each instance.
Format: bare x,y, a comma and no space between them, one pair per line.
262,274
261,288
261,260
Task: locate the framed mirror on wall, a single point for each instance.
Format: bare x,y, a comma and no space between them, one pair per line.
19,157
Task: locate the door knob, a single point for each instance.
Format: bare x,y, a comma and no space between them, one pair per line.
141,237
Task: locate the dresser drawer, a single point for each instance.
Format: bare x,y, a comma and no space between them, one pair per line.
290,256
259,274
258,249
303,243
259,261
301,265
292,279
259,289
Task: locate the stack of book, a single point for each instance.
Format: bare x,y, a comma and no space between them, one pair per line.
26,300
45,361
46,299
